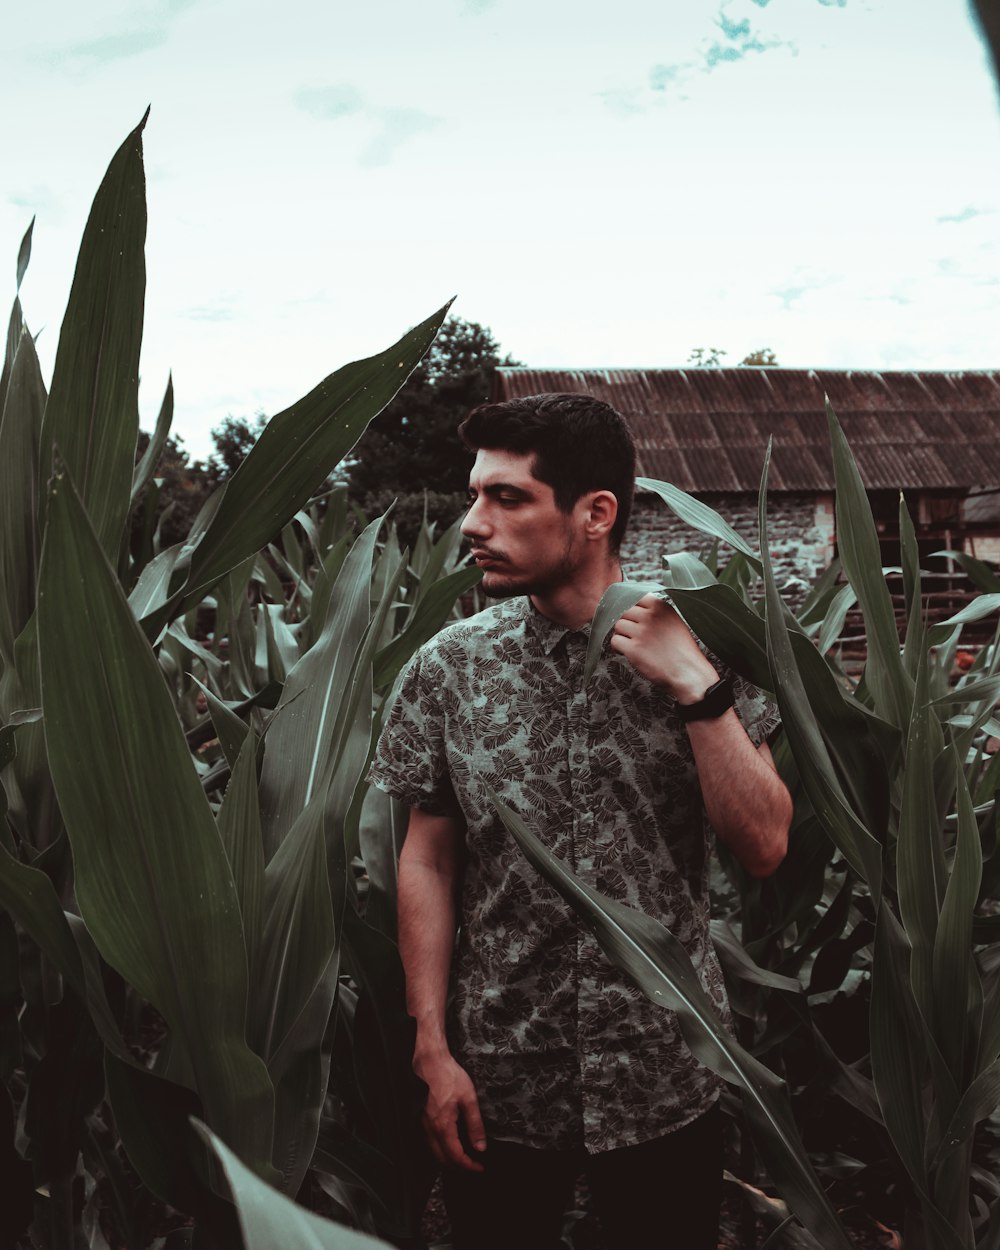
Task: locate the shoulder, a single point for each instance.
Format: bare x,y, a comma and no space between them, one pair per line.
474,636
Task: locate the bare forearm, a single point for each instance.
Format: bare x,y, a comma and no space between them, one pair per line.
747,803
426,942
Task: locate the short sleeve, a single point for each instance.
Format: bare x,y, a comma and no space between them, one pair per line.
410,761
757,711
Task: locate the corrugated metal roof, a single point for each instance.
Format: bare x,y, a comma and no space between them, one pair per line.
706,429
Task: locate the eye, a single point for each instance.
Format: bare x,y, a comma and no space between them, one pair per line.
509,501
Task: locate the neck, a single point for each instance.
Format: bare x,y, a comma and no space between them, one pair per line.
575,603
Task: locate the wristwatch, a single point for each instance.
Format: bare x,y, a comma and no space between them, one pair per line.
718,698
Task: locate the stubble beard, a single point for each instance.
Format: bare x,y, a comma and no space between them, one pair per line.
497,586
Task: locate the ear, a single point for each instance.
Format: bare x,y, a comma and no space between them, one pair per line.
602,512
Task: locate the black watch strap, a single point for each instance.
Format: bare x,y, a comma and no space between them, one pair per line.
718,698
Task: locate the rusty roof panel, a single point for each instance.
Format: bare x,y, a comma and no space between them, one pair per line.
706,429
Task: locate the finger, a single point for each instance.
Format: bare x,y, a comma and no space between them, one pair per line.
625,627
454,1150
474,1127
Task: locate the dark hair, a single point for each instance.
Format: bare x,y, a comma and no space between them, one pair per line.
580,444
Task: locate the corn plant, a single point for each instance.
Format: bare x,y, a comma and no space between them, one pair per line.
209,898
894,772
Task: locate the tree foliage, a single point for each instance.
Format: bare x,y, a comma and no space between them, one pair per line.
413,445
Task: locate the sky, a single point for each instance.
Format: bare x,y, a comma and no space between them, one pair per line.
603,185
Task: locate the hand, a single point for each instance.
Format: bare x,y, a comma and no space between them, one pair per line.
451,1104
657,643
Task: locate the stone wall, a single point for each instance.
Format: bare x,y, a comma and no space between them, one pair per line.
800,529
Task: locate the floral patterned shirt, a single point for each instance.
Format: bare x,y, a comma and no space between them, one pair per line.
562,1048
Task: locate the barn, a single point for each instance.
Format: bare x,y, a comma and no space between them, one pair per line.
935,436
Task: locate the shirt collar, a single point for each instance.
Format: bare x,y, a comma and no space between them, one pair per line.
545,632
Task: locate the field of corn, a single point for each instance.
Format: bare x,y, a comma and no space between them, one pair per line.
202,1033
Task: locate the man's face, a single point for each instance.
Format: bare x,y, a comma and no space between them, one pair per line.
524,543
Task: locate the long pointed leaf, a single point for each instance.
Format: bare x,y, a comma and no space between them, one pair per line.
699,516
301,741
296,451
656,961
958,992
239,829
146,467
151,876
269,1219
92,414
825,793
20,423
860,554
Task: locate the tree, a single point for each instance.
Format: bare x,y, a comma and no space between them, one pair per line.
233,440
412,447
711,358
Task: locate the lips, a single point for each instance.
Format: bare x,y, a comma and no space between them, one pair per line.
485,557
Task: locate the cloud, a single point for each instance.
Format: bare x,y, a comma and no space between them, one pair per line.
330,102
789,295
476,7
118,46
966,214
625,101
121,44
393,127
397,126
217,310
739,41
38,200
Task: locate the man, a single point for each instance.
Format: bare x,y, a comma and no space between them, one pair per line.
548,1061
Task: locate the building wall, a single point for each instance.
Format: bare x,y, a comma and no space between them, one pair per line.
800,532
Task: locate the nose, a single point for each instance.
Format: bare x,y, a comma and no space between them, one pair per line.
474,523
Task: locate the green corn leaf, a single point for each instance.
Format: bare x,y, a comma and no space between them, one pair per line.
734,958
239,828
92,414
297,936
978,571
24,254
382,1042
986,688
820,594
616,600
856,741
300,1069
146,467
230,729
861,557
268,1219
302,741
958,992
699,516
978,1103
921,871
154,1118
659,965
431,612
914,648
293,456
861,850
898,1051
381,833
727,626
20,423
833,622
151,876
985,605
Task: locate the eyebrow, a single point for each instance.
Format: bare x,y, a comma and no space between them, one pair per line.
501,488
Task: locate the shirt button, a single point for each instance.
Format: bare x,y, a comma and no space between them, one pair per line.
578,757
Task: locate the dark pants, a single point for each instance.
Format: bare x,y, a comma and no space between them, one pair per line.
663,1194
